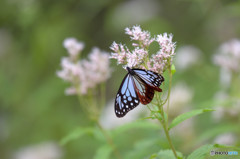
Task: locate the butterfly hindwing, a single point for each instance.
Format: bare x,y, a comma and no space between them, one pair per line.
126,98
144,92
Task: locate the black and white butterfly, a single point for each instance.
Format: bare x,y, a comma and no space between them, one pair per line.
138,86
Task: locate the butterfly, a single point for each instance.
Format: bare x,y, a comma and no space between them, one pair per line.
137,87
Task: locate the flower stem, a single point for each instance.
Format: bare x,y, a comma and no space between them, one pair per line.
165,127
93,116
163,120
169,139
169,92
109,140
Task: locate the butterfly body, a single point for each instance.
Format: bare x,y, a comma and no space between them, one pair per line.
130,71
137,87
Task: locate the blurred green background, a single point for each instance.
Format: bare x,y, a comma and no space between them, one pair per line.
33,107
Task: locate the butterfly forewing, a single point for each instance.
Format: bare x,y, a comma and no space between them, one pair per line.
151,78
126,98
137,86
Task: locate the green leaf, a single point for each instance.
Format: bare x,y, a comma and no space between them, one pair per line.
153,156
187,115
98,134
77,133
227,146
201,152
157,115
103,152
204,152
150,117
173,69
165,115
166,154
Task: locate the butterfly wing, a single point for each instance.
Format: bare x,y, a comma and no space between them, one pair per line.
151,78
144,92
136,88
126,98
145,83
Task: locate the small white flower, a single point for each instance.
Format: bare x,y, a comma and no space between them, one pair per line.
228,58
99,68
163,59
84,74
137,34
231,47
164,39
114,47
71,91
229,55
70,70
136,57
120,53
96,70
139,57
73,46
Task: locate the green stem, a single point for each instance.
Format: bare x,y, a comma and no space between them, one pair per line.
166,131
93,106
90,112
109,140
169,91
165,127
83,102
163,121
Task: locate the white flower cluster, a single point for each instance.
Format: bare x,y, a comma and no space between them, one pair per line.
137,34
73,47
83,74
163,58
139,56
228,56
